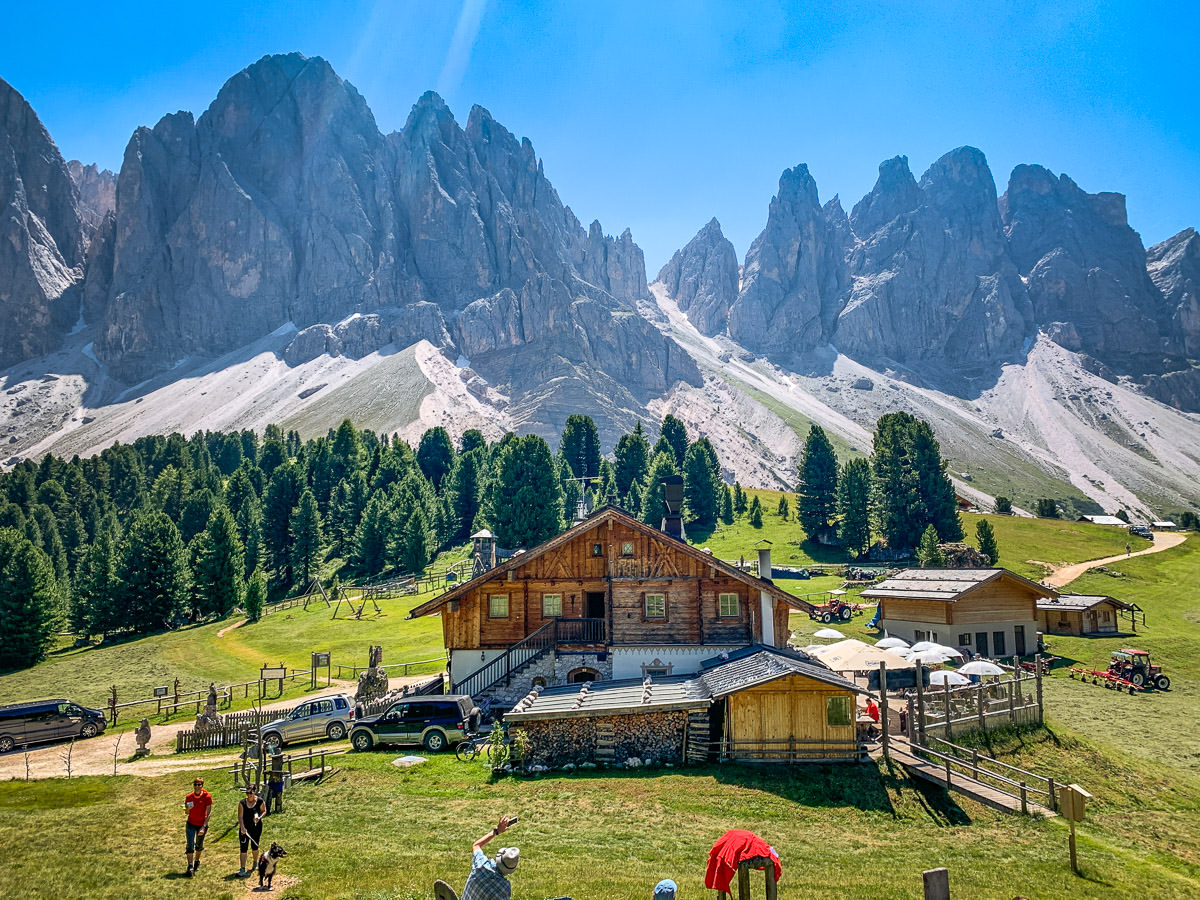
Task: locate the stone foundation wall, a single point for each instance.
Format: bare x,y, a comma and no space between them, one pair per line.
651,738
553,669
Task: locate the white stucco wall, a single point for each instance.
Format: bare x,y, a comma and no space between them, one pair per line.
683,660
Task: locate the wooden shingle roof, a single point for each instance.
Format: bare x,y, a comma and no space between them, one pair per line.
1078,602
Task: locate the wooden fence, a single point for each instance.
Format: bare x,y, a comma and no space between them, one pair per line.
1020,784
947,712
393,670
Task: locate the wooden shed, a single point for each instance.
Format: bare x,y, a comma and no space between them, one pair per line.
1081,614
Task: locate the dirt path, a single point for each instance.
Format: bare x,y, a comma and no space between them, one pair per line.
1064,575
228,628
95,756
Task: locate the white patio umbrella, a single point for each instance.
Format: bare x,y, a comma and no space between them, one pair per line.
949,651
828,633
948,676
929,657
862,659
980,667
843,646
922,645
892,643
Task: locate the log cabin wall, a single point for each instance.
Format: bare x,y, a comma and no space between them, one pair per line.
911,610
761,720
624,565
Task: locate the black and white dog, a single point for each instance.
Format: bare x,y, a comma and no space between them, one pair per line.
267,863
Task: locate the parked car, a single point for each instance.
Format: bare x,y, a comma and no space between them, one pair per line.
39,721
1142,531
323,717
433,722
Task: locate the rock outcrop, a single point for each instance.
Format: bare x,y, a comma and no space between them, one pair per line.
1174,267
794,277
932,279
41,238
97,190
703,278
284,203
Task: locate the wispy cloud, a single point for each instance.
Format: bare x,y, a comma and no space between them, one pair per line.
461,45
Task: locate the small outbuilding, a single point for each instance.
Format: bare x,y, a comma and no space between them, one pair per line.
1164,525
756,704
1104,520
1080,614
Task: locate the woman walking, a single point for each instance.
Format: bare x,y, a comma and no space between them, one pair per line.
250,815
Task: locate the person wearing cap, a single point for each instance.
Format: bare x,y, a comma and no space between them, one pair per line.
665,890
198,805
489,877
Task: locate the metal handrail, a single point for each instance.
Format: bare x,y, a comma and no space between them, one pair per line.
527,649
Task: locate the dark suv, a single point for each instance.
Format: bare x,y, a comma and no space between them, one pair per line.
433,722
38,721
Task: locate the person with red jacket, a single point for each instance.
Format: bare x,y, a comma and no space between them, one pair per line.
198,805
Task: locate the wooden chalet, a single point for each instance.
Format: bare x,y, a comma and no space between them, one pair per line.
608,598
990,612
1080,614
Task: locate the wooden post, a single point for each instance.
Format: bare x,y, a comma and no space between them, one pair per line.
175,707
743,882
975,764
947,688
772,888
1024,800
937,884
1053,795
947,773
979,707
112,705
1071,844
1037,671
920,704
883,706
908,732
1013,689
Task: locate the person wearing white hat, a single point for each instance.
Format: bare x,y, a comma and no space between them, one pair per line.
489,877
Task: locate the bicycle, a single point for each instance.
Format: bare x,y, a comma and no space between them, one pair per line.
470,747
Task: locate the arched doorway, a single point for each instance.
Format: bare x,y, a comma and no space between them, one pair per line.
582,674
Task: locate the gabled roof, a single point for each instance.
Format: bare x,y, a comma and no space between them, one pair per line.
947,585
601,515
744,668
1104,520
1078,602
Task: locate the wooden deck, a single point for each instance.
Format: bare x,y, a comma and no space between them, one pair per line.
903,754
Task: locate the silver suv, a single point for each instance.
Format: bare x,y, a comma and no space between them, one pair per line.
323,717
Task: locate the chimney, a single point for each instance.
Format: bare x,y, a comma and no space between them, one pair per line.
672,522
766,601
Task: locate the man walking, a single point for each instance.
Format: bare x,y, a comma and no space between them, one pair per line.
198,805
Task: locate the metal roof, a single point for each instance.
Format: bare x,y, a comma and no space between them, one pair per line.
1104,520
946,585
1077,602
741,669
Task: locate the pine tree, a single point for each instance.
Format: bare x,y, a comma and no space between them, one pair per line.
152,573
465,489
282,495
250,533
307,539
739,499
93,588
29,601
986,537
524,505
756,514
631,458
371,537
219,571
854,506
472,439
816,503
900,511
435,455
937,491
414,543
1003,506
783,510
929,554
675,434
654,506
256,595
580,446
726,505
701,488
1046,508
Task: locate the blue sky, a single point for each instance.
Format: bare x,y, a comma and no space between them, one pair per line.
659,116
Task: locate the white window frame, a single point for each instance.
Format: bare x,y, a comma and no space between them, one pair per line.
661,603
737,606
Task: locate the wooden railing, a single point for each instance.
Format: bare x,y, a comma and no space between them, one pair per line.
517,656
581,631
393,669
1020,784
791,750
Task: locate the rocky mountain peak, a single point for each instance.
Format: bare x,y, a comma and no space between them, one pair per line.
703,278
895,192
41,237
1174,266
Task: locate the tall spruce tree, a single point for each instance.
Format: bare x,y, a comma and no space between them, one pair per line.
152,573
256,595
524,505
29,601
701,484
755,517
435,455
93,588
854,506
219,571
726,504
936,489
900,511
816,501
654,505
282,495
676,436
580,446
929,554
630,459
986,536
307,538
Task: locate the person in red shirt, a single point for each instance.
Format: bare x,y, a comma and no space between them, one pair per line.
873,709
198,805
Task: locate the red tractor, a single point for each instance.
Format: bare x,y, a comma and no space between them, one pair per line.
1135,667
835,610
